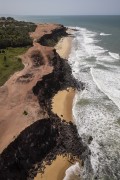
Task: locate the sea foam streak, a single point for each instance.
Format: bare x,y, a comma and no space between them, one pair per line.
95,114
108,83
103,34
73,172
114,55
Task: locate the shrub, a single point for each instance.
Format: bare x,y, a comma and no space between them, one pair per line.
25,113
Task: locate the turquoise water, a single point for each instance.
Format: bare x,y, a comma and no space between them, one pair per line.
95,60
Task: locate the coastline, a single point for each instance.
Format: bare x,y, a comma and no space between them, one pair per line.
40,137
63,100
62,106
45,138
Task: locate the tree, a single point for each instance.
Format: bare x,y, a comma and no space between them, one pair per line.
2,18
10,19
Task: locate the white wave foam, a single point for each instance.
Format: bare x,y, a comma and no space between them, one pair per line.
73,172
103,34
108,83
95,114
114,55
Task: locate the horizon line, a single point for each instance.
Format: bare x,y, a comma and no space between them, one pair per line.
60,15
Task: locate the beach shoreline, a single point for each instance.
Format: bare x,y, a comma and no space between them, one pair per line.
62,102
62,106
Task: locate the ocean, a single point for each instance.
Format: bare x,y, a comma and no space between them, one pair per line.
95,60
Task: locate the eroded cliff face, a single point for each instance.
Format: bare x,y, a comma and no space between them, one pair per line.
53,37
46,138
60,79
48,34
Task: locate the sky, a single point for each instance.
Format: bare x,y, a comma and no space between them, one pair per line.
60,7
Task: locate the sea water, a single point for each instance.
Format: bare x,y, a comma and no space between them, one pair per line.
97,108
95,60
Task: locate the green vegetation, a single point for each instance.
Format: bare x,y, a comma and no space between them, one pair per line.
10,62
14,41
15,33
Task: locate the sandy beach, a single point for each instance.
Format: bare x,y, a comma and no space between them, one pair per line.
62,106
63,47
56,171
63,100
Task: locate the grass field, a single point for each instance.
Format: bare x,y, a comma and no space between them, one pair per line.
10,63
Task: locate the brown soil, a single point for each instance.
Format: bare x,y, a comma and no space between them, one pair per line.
45,29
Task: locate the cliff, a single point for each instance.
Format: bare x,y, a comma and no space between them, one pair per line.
46,138
48,34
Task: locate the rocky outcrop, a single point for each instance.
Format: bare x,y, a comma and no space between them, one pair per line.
43,140
60,79
52,38
48,34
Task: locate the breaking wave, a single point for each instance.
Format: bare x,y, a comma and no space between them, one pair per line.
103,34
114,55
97,108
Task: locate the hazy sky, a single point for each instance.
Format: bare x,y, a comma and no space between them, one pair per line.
59,7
